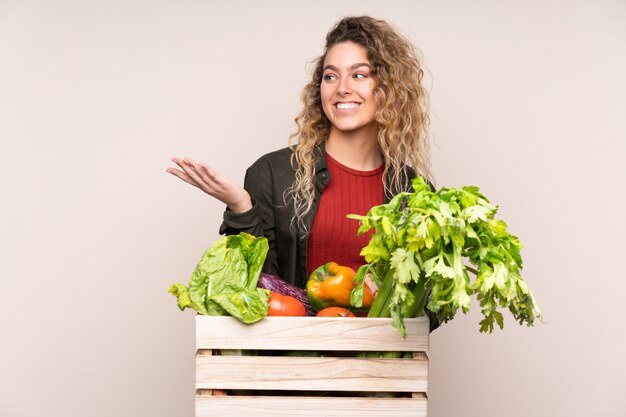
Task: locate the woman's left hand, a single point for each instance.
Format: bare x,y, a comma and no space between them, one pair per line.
371,284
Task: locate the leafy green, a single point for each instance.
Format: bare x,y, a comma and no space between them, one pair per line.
417,255
225,280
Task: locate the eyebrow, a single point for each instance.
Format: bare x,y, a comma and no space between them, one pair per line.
351,67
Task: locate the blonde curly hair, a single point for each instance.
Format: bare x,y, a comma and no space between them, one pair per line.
402,114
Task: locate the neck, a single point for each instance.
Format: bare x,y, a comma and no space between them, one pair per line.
357,150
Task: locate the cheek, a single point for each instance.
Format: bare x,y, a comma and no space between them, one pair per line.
368,90
325,93
368,93
325,96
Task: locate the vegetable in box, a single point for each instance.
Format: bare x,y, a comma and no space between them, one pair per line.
225,280
418,252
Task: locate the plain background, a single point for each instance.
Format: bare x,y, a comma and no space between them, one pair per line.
528,103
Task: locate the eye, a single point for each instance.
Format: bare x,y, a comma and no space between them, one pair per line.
360,75
329,77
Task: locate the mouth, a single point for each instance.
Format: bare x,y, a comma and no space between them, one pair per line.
347,106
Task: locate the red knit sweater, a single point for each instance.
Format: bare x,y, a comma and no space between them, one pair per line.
333,236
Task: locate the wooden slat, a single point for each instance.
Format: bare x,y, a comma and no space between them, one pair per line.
236,406
204,354
311,333
311,373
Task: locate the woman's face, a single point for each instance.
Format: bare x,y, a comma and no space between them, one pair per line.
347,88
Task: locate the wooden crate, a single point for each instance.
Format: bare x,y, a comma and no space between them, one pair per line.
336,384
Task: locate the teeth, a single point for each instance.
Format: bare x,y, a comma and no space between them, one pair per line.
347,105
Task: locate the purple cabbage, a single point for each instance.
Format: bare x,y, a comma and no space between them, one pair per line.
279,285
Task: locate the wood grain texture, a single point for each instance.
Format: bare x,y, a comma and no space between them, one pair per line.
312,373
346,379
311,333
236,406
204,354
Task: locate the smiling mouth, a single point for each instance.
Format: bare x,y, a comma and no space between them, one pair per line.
347,106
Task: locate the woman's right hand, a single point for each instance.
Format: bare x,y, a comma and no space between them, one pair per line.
202,176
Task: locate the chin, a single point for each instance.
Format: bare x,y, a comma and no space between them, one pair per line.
351,127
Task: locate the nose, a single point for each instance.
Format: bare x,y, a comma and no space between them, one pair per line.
344,87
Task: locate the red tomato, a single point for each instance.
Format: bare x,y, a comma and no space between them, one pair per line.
335,312
285,305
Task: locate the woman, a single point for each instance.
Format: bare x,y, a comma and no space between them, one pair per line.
362,136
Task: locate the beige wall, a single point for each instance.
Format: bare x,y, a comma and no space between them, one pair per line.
528,102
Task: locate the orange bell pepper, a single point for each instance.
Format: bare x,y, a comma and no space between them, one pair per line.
330,285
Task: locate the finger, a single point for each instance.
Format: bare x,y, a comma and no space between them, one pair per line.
371,284
210,175
232,195
189,166
178,161
207,169
198,172
183,176
212,185
191,162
